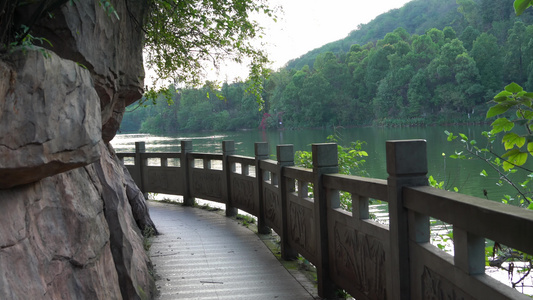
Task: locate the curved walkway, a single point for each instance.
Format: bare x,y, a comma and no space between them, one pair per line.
204,255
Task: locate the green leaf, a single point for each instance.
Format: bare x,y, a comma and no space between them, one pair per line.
450,135
514,158
520,6
484,173
500,99
511,139
513,87
528,114
530,148
463,136
504,94
497,109
501,124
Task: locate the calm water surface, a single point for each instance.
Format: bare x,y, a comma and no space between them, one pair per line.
461,174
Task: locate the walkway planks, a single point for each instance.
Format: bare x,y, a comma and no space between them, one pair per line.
204,255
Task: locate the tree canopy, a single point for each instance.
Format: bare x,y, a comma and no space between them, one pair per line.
182,36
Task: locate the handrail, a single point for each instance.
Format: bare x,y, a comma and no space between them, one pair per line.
241,159
299,173
366,187
493,220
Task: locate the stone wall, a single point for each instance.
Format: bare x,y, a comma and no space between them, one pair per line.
67,230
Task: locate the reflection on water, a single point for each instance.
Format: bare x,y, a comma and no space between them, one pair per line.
154,143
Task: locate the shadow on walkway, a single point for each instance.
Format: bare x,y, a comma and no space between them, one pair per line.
204,255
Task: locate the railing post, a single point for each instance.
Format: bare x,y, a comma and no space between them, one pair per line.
261,153
285,155
186,166
325,161
228,148
140,147
407,166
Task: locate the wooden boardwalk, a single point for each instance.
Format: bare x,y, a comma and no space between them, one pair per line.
204,255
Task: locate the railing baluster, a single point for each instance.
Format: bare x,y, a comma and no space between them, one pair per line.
360,207
469,251
303,189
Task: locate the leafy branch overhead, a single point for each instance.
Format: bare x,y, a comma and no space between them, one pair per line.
182,37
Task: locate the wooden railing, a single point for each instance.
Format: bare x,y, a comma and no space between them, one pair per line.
351,251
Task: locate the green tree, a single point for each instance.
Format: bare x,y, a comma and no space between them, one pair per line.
469,10
449,33
376,69
486,52
424,50
418,94
468,36
516,58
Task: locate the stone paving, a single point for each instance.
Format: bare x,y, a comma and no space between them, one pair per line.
204,255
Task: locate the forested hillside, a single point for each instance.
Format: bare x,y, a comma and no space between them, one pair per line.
415,17
442,63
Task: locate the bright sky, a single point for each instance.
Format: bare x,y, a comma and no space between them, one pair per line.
304,25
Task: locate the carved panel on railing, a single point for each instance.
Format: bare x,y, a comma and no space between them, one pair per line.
156,178
207,184
301,227
434,286
272,204
163,180
243,194
360,259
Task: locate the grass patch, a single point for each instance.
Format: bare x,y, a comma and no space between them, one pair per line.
207,207
245,220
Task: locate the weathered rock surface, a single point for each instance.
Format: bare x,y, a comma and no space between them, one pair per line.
67,229
54,241
110,48
49,117
63,235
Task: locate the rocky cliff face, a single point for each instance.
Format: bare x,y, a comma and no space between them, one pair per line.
66,225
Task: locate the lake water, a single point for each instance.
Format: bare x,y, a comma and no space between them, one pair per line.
456,173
